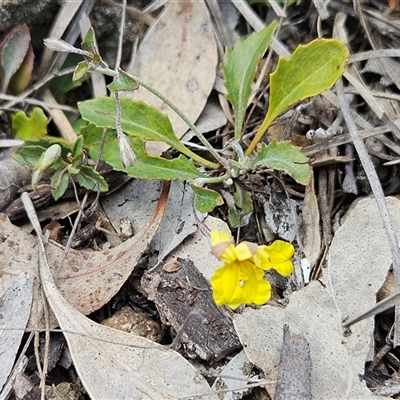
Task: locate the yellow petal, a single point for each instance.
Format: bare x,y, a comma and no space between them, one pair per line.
276,256
258,290
261,258
222,247
240,283
226,286
219,237
280,250
280,253
284,268
245,250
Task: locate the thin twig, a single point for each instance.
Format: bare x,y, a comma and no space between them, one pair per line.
37,86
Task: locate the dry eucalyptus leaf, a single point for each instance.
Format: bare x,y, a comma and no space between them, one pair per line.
358,263
88,279
18,297
115,364
135,201
178,57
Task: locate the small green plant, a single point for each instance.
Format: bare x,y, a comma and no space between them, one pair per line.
126,124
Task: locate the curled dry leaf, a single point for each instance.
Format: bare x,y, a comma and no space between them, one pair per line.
87,280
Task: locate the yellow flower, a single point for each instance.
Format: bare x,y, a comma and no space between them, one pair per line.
241,279
240,282
276,256
225,250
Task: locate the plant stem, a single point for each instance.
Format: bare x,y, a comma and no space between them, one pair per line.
217,179
202,139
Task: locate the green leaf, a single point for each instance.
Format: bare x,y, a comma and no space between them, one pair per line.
89,42
137,119
309,71
123,82
145,167
49,157
77,152
244,202
91,179
28,128
81,69
13,49
239,69
29,154
206,200
283,156
31,151
59,181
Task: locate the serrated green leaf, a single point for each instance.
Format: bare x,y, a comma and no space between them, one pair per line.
283,156
206,200
73,171
138,119
59,181
123,82
145,167
239,69
29,128
91,179
309,71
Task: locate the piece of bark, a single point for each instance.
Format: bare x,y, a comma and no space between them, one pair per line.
181,291
294,375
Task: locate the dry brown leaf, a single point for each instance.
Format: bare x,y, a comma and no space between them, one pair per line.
87,280
178,56
17,297
115,364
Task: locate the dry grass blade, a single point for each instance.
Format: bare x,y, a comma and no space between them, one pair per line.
114,364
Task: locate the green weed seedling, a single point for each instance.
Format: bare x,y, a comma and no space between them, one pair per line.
126,124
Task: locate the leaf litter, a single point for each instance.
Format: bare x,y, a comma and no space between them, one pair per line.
137,367
88,280
359,255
